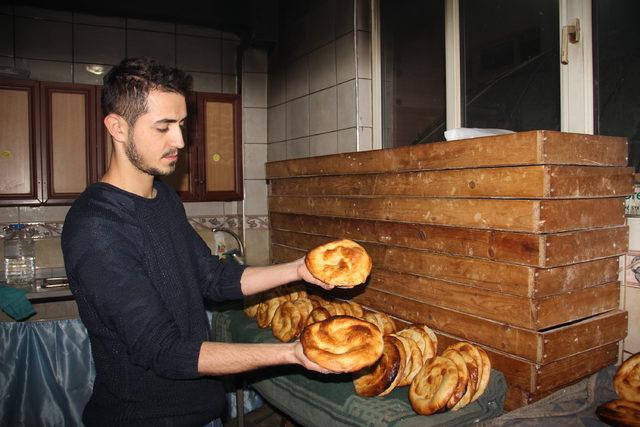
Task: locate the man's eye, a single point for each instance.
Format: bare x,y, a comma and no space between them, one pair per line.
163,130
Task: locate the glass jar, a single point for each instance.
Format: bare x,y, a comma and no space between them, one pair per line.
19,257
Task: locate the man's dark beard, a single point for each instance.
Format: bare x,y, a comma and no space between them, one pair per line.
136,160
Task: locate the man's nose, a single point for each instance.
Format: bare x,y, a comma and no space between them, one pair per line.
178,140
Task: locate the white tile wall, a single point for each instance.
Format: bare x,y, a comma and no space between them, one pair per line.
255,125
298,118
322,111
255,61
345,58
44,40
229,83
255,156
322,68
347,104
6,35
255,197
297,80
323,144
298,148
277,151
189,53
364,54
98,45
254,90
347,140
206,82
157,45
54,71
632,342
276,123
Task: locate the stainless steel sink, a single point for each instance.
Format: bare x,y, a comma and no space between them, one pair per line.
54,282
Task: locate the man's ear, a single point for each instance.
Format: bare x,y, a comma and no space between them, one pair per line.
117,126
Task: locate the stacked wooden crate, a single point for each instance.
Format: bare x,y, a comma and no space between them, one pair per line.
511,242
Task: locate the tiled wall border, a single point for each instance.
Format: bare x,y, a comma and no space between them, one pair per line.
43,230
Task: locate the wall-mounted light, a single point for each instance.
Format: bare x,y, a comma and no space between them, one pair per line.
96,69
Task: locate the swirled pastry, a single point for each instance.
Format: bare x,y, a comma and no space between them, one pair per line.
434,385
341,263
382,321
287,322
413,361
418,334
620,412
383,376
463,377
472,383
318,314
251,303
342,343
627,379
481,360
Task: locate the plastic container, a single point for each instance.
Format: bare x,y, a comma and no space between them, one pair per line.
19,257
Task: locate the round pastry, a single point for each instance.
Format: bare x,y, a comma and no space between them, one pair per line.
287,322
432,388
382,377
422,338
267,309
342,343
304,305
251,303
341,263
356,309
383,321
318,314
317,300
627,379
622,413
463,377
484,376
413,362
334,308
472,384
346,307
479,356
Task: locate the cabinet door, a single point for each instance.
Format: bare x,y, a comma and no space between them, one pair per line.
68,133
20,167
184,178
220,140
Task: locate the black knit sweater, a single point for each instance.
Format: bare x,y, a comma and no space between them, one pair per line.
139,274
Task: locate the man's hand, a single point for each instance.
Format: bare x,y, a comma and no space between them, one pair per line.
301,359
306,275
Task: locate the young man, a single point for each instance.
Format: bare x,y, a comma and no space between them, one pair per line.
140,273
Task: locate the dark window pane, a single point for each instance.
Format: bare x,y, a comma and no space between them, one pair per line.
413,72
511,74
617,79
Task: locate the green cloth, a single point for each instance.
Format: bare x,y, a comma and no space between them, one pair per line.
14,302
314,399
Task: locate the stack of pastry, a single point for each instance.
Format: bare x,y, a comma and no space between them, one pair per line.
452,380
626,410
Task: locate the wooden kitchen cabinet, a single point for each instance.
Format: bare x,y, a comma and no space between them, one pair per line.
20,169
68,140
210,165
47,141
219,147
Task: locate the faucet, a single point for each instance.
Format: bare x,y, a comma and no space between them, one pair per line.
239,257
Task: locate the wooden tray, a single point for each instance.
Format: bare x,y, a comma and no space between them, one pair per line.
523,148
541,250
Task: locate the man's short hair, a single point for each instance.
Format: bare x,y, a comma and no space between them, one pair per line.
127,86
